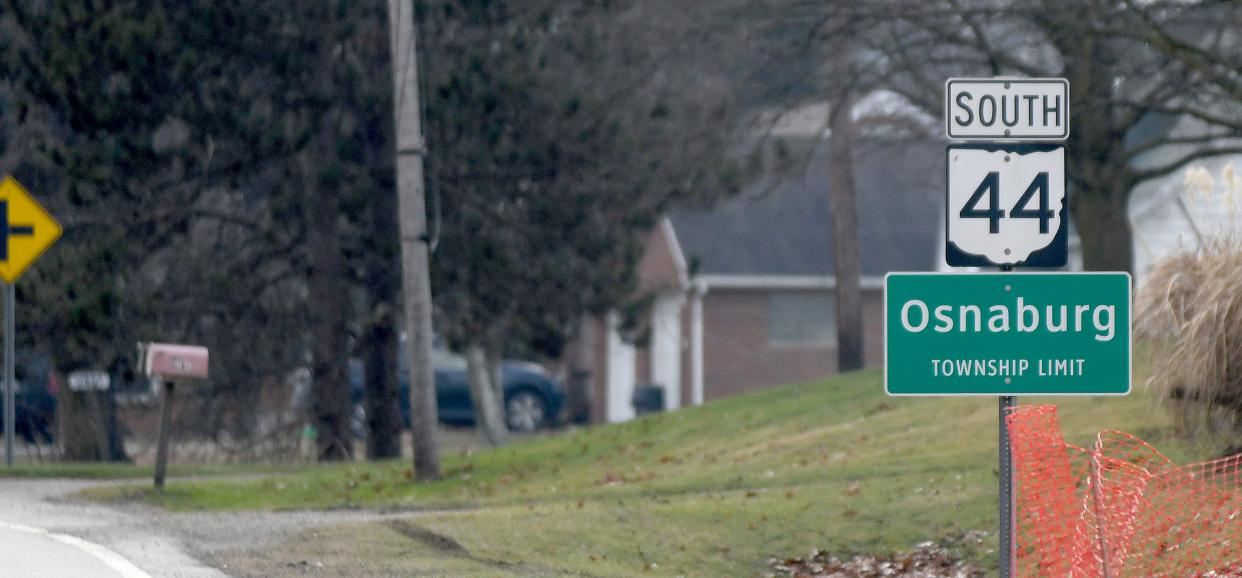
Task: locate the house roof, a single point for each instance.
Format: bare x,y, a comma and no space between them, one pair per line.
661,267
785,229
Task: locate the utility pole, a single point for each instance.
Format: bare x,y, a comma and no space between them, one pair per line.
843,202
412,214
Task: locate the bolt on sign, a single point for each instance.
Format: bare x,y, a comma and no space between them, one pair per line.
1007,334
26,230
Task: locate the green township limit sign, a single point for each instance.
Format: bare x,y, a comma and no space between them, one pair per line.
1007,334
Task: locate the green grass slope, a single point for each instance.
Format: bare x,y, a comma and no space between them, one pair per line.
713,490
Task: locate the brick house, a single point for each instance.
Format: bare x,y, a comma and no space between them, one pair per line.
742,293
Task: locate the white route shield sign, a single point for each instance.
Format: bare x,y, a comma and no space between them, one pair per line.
1006,205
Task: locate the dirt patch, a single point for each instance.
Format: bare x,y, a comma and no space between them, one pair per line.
439,542
447,546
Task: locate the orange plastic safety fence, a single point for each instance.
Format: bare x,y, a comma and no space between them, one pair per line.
1120,509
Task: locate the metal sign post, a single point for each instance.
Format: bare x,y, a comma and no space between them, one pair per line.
1005,494
1006,545
10,384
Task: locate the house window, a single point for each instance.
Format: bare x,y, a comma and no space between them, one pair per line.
802,318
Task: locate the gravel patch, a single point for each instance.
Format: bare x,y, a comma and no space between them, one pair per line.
165,544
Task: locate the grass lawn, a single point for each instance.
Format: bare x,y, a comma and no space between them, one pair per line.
708,491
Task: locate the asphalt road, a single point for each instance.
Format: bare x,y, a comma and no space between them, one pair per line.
30,552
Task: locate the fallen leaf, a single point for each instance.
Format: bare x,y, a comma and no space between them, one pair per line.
611,479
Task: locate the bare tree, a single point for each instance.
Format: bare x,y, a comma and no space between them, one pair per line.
1130,65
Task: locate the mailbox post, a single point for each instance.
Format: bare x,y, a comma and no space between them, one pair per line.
164,363
161,447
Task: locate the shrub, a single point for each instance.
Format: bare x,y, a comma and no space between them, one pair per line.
1189,310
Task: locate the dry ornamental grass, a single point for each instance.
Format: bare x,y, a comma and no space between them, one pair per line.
1189,310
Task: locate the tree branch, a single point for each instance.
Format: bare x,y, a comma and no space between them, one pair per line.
1133,152
1207,117
1182,161
1222,72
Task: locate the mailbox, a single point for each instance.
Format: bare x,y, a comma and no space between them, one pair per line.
167,360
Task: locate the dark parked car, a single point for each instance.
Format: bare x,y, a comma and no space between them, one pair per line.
533,399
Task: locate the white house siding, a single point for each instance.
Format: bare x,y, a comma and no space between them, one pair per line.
621,373
666,347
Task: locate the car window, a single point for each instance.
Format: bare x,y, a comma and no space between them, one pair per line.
441,358
445,360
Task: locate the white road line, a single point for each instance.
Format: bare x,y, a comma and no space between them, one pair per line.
113,560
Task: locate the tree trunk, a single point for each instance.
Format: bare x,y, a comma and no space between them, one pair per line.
487,414
581,369
1099,201
845,260
381,338
77,428
382,391
495,355
77,431
416,277
116,441
123,342
1103,223
330,403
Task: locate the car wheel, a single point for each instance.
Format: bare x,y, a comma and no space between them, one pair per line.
525,411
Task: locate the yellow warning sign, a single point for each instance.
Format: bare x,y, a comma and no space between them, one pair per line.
26,230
